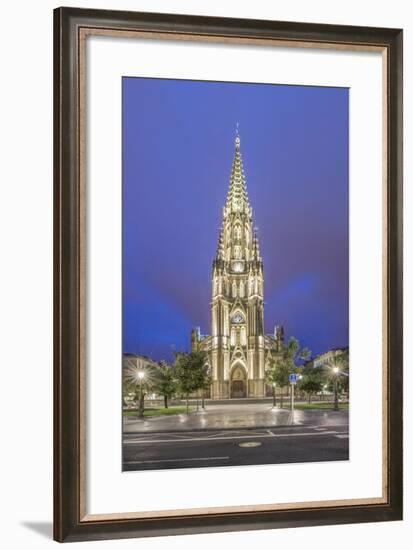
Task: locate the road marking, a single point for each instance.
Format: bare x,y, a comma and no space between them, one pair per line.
176,460
307,434
250,444
210,436
342,436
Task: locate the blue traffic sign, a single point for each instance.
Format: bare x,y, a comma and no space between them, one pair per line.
293,378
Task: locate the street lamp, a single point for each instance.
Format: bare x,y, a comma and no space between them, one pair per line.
140,375
336,372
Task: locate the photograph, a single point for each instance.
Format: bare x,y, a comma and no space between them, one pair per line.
235,274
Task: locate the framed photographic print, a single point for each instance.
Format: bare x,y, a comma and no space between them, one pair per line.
228,274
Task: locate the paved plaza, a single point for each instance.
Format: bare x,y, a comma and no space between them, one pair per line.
223,416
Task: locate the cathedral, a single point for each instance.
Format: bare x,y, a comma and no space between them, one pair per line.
237,348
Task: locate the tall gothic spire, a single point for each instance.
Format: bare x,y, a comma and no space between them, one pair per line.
237,198
238,248
237,343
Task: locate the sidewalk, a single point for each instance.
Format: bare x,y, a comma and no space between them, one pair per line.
245,415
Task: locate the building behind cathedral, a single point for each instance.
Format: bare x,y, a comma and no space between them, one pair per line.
238,348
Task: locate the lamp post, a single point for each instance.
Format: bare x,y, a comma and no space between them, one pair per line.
335,372
292,383
141,376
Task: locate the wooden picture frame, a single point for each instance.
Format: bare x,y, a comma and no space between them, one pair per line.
71,26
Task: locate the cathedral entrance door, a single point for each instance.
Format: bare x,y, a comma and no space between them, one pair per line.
238,383
238,388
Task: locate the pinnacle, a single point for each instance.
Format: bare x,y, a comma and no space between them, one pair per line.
256,246
237,198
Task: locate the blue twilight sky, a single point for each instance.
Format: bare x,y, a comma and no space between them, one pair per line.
178,147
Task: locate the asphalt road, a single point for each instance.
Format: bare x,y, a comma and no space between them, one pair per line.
235,447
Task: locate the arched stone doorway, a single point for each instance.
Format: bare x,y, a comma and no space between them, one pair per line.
238,381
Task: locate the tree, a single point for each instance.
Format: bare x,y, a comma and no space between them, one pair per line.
191,372
206,379
285,363
312,381
166,383
277,375
271,377
139,375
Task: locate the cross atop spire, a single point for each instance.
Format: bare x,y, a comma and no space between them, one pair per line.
237,138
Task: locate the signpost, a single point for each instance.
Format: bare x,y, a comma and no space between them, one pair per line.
293,381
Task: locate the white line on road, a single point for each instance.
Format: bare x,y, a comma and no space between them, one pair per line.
342,436
176,460
255,436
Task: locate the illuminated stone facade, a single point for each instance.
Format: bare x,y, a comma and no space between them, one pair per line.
237,347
